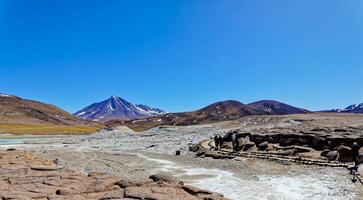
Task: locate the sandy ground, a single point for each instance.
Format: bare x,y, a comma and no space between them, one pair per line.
122,152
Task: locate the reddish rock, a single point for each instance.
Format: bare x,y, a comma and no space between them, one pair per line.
25,176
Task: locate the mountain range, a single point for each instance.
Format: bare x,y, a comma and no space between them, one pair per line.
17,112
220,111
355,108
117,108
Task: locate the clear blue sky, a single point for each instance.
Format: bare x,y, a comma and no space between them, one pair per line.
183,55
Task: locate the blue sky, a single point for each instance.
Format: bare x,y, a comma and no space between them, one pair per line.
183,55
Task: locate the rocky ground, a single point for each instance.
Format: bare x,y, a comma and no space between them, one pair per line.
25,176
122,152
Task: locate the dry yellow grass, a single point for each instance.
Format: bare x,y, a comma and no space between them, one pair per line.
46,129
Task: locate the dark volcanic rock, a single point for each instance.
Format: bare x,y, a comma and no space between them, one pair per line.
345,154
262,146
302,140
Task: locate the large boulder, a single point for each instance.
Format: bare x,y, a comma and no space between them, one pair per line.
247,146
345,154
324,152
332,155
262,145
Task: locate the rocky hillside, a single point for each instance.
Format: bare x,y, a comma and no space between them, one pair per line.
17,114
270,107
117,108
216,112
220,111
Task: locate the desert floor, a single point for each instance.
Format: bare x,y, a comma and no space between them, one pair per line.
126,153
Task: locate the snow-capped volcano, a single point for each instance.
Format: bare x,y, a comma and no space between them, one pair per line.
117,108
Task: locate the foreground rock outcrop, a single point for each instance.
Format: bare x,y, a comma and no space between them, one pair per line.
26,176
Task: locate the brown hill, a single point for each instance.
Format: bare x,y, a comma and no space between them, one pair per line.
19,115
270,107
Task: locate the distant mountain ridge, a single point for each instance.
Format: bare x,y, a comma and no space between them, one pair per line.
117,108
355,108
216,112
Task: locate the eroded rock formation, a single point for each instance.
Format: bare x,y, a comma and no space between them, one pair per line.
26,176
